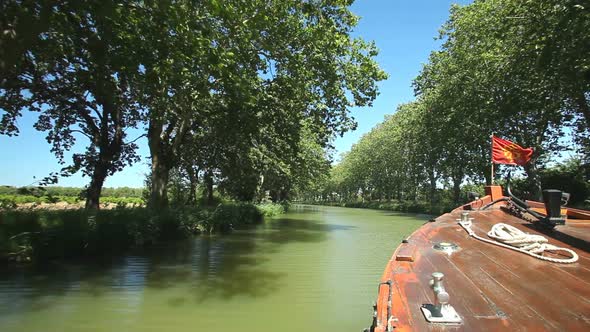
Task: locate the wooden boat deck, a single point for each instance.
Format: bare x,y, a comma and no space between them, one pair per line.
492,288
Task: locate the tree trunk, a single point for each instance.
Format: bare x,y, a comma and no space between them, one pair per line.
457,190
284,193
164,141
160,166
159,190
432,180
457,179
487,174
259,188
109,144
534,180
93,192
193,179
209,185
414,192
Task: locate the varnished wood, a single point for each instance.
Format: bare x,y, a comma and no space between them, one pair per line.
544,211
494,191
577,213
570,212
492,288
405,252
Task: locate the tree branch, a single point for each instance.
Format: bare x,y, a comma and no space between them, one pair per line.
83,133
137,138
169,131
89,121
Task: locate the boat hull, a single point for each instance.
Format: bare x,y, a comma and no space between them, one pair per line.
491,288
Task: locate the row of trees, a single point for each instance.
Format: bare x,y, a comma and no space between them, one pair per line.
243,93
518,69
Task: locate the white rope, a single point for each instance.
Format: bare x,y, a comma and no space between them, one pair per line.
513,238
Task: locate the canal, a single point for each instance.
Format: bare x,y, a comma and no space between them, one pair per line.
313,269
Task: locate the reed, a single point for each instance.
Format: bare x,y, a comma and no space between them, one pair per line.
271,210
37,235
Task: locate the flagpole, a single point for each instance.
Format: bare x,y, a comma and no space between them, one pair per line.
492,159
492,173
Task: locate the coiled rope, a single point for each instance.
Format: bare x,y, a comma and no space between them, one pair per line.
513,238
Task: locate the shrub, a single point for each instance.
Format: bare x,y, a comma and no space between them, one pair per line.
567,181
7,203
229,215
271,210
67,233
48,234
122,201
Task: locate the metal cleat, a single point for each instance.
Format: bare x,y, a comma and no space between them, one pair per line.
441,311
465,217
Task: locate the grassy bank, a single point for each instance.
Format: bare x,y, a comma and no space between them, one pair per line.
38,235
397,206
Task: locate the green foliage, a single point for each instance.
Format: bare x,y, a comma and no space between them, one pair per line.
491,77
396,160
570,177
20,199
123,200
233,89
7,202
226,216
68,191
241,99
8,190
271,210
474,188
496,72
570,183
72,62
118,192
47,234
396,205
14,200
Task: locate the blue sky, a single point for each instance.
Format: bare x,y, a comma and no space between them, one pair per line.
403,30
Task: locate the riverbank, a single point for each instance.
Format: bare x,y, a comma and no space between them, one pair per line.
326,261
45,234
417,207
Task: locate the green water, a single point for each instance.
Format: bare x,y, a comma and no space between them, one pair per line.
314,269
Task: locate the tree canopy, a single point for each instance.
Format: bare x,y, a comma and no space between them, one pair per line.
236,90
516,69
71,62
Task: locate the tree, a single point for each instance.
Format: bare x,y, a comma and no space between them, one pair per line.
487,76
557,33
253,65
518,69
73,63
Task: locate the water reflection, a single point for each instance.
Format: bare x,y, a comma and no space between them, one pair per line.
294,260
221,266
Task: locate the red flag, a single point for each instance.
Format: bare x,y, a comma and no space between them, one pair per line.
506,152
